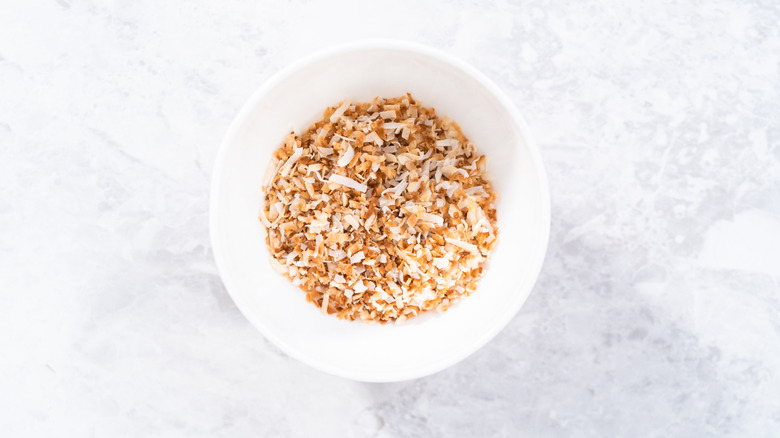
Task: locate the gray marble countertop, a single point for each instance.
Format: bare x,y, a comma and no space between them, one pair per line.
657,312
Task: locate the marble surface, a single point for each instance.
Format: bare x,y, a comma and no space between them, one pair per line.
657,312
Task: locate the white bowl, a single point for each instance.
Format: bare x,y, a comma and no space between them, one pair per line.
295,98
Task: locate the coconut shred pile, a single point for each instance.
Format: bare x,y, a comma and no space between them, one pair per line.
380,211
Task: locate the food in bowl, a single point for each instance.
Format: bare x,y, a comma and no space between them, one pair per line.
380,211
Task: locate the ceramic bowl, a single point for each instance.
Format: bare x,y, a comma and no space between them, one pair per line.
295,98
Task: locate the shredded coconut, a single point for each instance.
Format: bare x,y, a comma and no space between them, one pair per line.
403,223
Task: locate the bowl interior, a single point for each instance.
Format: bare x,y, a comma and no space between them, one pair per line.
374,352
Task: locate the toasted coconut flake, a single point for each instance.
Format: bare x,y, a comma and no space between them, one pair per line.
432,218
390,115
478,191
337,254
285,170
441,262
318,226
348,182
264,220
437,175
351,221
393,125
339,112
358,256
374,137
461,244
324,307
451,142
341,137
359,287
270,172
278,267
325,152
310,188
347,157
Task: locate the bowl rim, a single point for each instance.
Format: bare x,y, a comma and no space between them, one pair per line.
256,98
